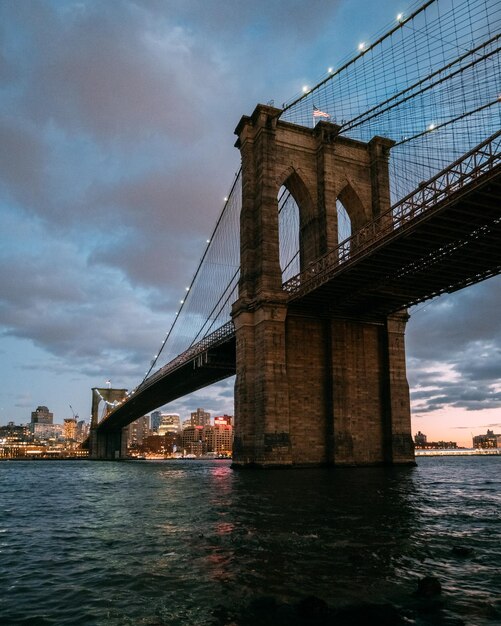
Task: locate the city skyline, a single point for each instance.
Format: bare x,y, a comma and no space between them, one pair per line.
109,189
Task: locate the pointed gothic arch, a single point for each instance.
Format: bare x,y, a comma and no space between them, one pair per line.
309,239
353,206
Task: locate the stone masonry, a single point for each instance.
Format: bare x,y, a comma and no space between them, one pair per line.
312,389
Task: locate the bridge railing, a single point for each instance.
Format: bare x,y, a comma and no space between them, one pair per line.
219,336
483,158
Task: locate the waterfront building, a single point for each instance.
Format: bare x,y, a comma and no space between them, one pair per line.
218,438
154,444
192,440
14,440
13,431
42,415
164,445
489,440
39,441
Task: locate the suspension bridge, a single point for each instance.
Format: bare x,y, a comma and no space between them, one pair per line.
369,192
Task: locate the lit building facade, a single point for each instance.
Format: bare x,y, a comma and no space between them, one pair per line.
156,417
44,431
70,429
138,431
200,418
192,440
169,423
219,437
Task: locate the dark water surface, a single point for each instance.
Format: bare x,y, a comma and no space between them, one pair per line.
195,543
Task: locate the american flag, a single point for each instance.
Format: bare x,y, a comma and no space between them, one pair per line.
319,113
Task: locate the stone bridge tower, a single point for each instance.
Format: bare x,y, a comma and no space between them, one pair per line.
312,389
105,445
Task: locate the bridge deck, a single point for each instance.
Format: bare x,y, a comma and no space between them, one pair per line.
452,245
205,368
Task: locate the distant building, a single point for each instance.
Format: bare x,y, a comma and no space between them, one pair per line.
223,420
14,440
489,440
420,439
44,431
169,423
70,429
161,444
154,444
172,442
218,438
156,416
82,430
39,441
42,416
13,429
421,443
200,418
192,440
441,445
138,431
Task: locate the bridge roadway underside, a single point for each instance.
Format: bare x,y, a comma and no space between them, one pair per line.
207,368
452,245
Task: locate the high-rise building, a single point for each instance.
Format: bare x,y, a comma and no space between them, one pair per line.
169,423
70,428
156,417
193,440
218,438
200,418
42,416
138,431
82,430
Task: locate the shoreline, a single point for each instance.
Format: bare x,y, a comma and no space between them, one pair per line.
418,454
459,452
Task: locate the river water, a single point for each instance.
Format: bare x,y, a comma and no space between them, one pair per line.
197,543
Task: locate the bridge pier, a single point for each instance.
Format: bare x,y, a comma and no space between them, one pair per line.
108,444
320,391
311,388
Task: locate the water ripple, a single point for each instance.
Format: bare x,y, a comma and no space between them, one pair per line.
195,543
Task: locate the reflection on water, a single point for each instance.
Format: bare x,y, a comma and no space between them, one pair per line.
194,543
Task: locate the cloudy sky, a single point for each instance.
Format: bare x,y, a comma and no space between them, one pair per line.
116,135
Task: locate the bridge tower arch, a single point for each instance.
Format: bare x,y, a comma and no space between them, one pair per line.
310,388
